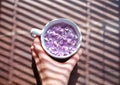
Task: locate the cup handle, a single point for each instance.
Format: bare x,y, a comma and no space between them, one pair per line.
35,32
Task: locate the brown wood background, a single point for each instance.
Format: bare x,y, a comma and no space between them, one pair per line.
99,21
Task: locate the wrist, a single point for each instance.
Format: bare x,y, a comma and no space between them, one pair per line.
62,80
52,82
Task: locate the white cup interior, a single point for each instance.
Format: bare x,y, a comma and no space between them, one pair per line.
59,20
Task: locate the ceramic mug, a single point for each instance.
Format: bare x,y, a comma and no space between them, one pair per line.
63,32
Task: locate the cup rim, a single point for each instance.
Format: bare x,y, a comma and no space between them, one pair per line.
54,21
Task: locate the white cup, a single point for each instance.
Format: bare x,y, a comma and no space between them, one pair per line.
36,31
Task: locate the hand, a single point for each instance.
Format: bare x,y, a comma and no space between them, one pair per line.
51,71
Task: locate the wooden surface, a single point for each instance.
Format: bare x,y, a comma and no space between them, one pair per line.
99,21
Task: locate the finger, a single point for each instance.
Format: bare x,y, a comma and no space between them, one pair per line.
80,52
37,44
44,56
32,47
39,49
37,39
35,56
37,59
75,58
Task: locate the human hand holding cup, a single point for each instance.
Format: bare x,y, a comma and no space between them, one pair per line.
60,38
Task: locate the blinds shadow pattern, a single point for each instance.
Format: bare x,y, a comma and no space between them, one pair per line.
99,21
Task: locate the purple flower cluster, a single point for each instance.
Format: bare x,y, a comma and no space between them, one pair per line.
61,39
